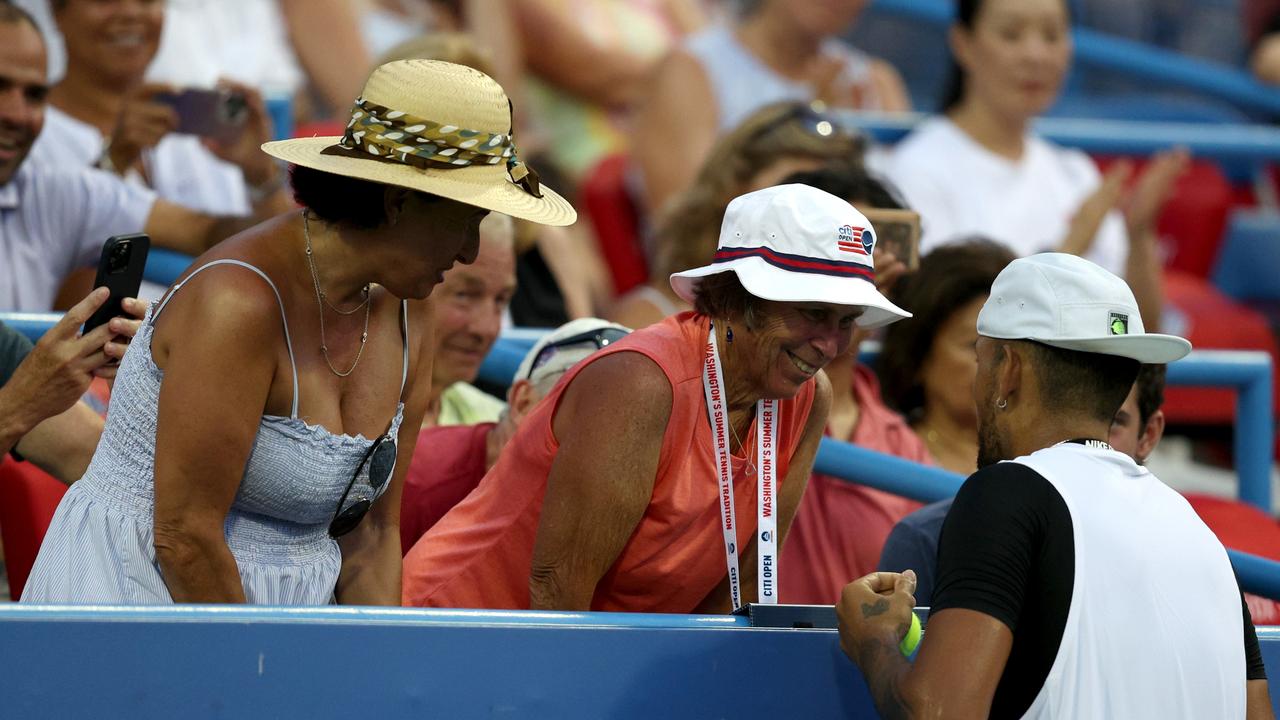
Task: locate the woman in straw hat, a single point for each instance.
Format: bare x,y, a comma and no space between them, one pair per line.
274,404
663,472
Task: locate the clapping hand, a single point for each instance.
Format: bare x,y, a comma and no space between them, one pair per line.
1149,194
1141,203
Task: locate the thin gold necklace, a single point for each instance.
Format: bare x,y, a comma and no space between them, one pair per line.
750,467
320,303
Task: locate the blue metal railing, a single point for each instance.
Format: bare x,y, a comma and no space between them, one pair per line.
1130,58
165,266
1252,143
1257,575
1249,373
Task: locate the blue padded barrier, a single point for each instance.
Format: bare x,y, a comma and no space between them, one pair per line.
1138,60
205,662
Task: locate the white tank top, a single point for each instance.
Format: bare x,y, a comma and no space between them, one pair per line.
742,84
1155,628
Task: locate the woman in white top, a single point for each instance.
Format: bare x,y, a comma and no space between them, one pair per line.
978,169
777,50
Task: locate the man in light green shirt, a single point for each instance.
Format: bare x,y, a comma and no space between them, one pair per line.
469,306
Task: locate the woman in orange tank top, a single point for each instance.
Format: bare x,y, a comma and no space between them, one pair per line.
634,484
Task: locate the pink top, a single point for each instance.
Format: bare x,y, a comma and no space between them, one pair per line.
841,527
449,463
479,555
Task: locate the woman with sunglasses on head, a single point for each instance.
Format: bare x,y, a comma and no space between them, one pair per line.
772,143
264,417
773,51
979,168
662,473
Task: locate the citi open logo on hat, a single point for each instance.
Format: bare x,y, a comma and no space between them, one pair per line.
1119,324
856,240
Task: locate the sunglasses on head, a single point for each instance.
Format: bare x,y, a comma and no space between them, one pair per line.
812,120
599,337
381,462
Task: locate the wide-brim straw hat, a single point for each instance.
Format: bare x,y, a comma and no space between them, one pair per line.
452,111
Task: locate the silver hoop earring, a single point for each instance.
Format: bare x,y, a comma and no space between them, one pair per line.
1002,404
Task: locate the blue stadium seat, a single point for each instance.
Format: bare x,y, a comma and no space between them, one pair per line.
1249,262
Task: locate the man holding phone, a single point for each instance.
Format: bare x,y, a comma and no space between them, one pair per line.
54,220
41,417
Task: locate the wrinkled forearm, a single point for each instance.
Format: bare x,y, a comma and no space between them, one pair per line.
196,570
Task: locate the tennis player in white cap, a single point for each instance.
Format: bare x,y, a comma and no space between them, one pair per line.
1072,583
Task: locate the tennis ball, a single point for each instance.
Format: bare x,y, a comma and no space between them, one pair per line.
912,639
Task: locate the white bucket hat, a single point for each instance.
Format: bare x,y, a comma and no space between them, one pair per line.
1068,302
796,243
437,127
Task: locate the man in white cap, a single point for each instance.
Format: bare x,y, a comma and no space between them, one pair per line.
1072,583
454,458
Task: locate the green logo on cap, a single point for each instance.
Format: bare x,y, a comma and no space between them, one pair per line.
1119,324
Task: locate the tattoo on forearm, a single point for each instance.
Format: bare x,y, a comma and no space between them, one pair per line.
880,607
884,668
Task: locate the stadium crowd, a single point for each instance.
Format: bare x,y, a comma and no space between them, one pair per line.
299,418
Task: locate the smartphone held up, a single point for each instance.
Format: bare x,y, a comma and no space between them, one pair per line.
119,270
219,114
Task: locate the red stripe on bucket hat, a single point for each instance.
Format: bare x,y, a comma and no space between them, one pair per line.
798,263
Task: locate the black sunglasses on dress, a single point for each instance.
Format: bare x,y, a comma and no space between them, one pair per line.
381,461
600,337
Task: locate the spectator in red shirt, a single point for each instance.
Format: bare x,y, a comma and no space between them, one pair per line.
454,458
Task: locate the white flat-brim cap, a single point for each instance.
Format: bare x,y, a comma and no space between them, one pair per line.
796,243
1068,302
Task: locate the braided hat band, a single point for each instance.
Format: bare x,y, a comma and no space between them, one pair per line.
395,136
403,149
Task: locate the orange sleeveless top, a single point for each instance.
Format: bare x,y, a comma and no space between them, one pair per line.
479,555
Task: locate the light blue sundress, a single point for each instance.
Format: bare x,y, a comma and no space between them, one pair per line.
100,547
